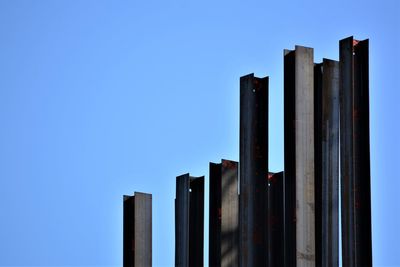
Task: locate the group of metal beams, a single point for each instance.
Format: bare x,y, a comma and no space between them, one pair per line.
292,218
289,218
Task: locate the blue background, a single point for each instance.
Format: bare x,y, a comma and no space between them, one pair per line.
103,98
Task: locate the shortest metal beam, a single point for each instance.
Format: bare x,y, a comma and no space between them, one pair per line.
224,214
189,221
137,230
275,219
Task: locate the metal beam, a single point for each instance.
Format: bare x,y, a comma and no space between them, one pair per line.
137,230
224,214
299,154
275,219
189,221
326,95
253,171
354,153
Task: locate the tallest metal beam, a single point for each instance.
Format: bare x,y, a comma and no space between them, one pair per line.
354,153
299,157
253,171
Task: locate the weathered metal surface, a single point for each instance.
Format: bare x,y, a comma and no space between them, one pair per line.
354,153
137,230
299,156
143,229
189,221
253,171
326,96
224,214
275,220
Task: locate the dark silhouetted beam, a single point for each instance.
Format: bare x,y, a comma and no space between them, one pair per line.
354,153
299,156
189,221
253,171
137,230
326,96
224,214
275,220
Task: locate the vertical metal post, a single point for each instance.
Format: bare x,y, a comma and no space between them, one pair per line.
224,214
196,222
189,221
253,171
355,154
326,95
214,247
289,161
137,230
275,220
299,153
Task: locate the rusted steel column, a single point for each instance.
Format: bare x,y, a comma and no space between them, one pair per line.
189,221
224,214
275,220
354,153
299,152
137,230
326,96
253,171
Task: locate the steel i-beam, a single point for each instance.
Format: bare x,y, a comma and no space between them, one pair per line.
189,221
275,219
326,108
299,157
137,230
224,214
354,153
253,166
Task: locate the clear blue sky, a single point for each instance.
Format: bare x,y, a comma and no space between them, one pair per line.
103,98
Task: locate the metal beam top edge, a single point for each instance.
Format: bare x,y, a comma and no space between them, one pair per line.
190,177
126,197
194,178
296,47
251,75
222,160
329,60
142,193
303,47
183,175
